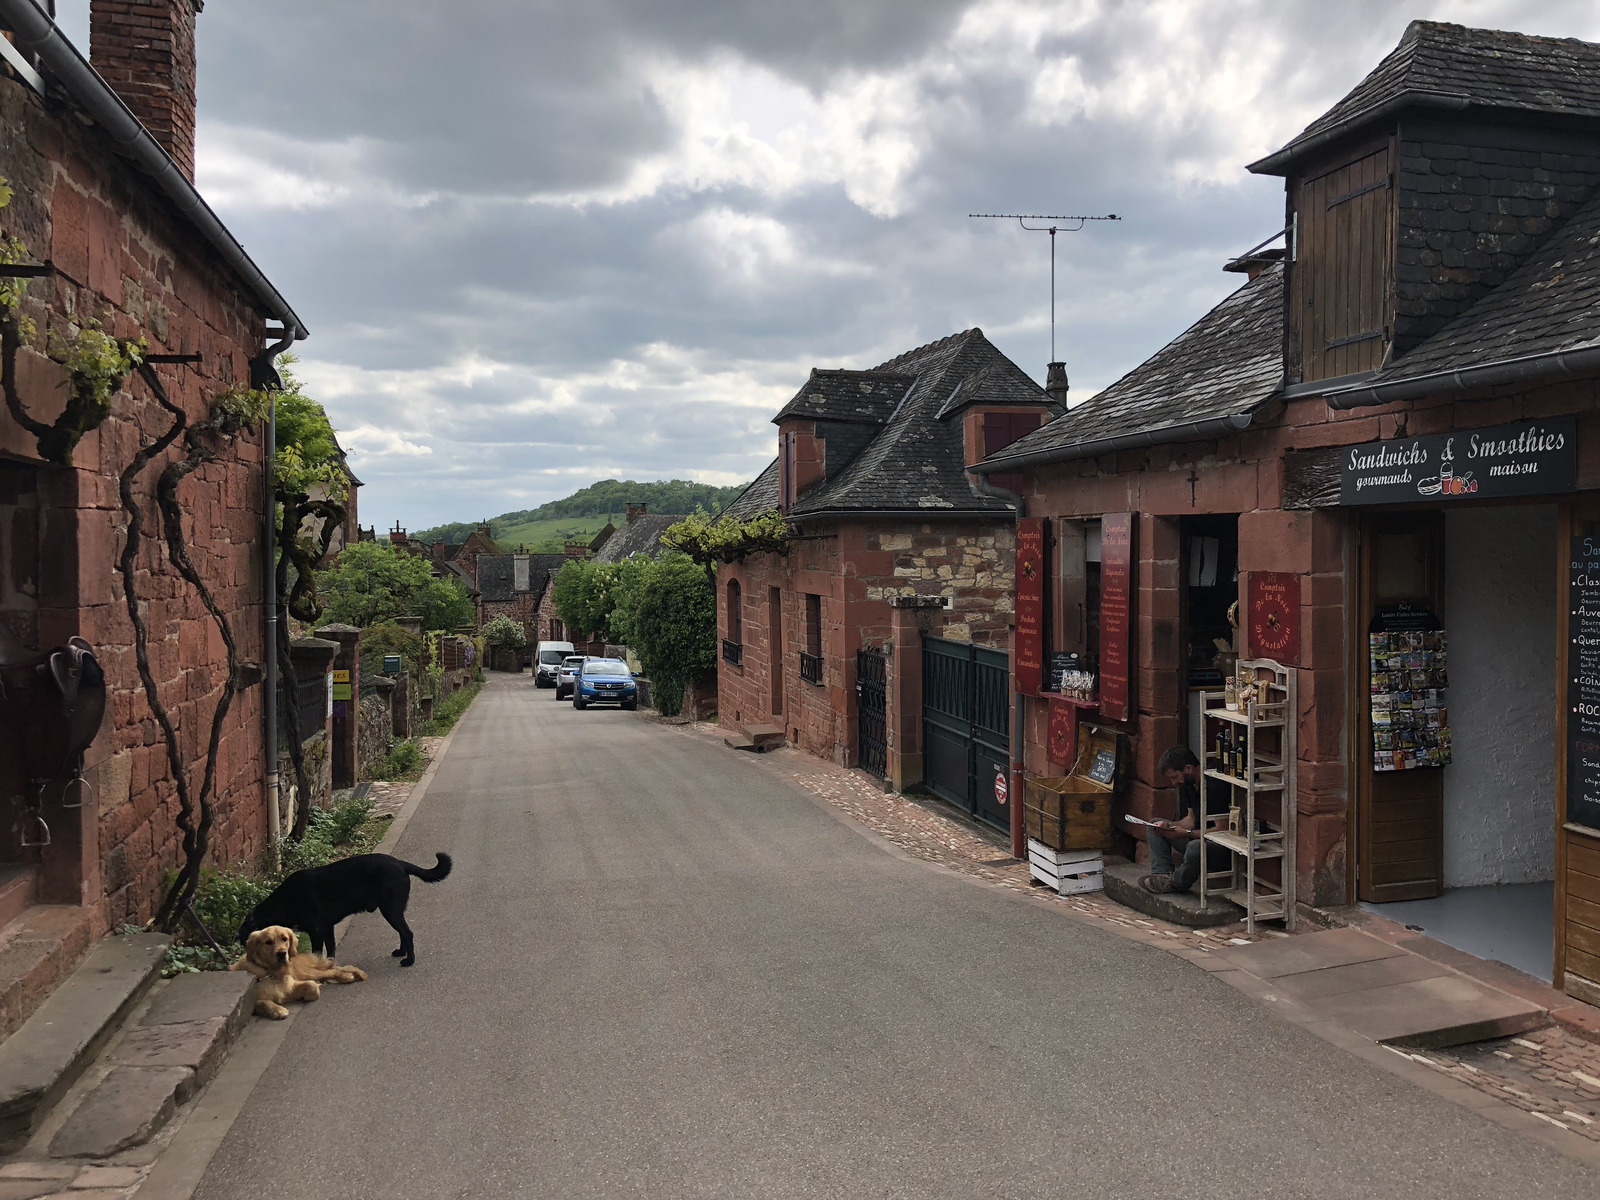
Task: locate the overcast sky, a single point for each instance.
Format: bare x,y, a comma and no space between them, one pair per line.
540,242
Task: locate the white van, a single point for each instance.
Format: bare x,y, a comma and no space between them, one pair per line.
547,662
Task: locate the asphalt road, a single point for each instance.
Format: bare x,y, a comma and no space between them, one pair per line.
660,971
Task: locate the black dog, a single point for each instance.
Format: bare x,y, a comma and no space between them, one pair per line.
318,898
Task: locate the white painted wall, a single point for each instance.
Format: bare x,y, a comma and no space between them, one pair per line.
1500,609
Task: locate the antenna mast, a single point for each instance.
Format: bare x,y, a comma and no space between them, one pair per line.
1023,219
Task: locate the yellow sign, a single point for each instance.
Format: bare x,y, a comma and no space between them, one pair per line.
341,691
341,677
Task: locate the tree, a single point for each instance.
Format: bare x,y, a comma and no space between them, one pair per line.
503,631
376,581
583,594
675,629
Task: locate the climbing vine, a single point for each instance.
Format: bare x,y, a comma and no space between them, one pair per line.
97,364
728,539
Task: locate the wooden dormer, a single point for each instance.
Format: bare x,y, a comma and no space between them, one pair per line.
1424,188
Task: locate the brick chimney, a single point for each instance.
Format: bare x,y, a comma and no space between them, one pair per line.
397,536
635,511
145,50
577,550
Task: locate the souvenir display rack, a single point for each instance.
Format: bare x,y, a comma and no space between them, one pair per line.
1408,673
1252,749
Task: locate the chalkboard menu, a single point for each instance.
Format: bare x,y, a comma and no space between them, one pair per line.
1408,669
1583,683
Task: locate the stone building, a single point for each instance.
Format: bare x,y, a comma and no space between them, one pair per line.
1390,429
513,585
105,202
898,556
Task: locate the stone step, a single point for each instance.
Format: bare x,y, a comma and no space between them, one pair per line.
168,1054
38,949
53,1047
19,887
1181,908
766,737
739,742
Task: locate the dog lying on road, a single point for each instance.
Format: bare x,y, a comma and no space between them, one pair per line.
318,898
282,974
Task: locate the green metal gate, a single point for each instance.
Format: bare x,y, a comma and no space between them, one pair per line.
966,726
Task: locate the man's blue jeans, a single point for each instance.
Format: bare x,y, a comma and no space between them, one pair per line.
1186,872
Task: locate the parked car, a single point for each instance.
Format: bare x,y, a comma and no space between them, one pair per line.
547,662
604,681
566,675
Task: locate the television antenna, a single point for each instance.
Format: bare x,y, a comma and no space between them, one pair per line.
1052,229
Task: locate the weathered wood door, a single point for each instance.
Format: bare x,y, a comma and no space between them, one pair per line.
1400,851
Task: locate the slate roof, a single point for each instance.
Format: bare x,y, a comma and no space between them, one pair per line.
1485,67
459,573
866,397
1224,365
541,568
1551,303
917,463
642,535
761,496
496,576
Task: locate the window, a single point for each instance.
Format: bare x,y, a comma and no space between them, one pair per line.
1000,429
735,611
811,656
733,644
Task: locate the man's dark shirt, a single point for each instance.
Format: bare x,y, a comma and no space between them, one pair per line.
1219,798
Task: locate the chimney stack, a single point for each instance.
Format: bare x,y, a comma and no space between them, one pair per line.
635,511
397,536
145,50
1055,382
577,550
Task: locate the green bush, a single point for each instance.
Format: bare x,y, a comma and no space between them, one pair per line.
447,712
404,761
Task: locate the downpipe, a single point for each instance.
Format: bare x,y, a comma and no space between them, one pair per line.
1019,702
264,374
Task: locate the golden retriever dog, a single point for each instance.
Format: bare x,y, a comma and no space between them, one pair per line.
283,974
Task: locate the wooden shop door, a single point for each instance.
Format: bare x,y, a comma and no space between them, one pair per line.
1400,814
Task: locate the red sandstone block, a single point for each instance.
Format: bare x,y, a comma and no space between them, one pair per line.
1229,489
1158,690
1321,701
1157,643
1322,641
1275,541
69,231
1325,589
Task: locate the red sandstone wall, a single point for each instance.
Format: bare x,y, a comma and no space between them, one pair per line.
857,569
120,257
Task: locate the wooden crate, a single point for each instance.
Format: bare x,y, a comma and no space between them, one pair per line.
1070,872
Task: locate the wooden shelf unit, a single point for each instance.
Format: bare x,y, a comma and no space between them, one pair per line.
1268,725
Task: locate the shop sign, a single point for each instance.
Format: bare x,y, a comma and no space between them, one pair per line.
1583,683
1273,616
1526,458
1030,605
1000,788
1116,616
1061,744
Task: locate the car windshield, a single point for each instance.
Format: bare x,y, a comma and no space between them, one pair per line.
550,656
575,661
605,668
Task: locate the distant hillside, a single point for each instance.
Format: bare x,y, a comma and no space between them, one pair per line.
588,510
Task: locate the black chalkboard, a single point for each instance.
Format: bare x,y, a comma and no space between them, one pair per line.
1583,683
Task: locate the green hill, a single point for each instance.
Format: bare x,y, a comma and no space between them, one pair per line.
583,514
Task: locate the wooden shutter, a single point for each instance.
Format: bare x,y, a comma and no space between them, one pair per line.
1344,247
1000,429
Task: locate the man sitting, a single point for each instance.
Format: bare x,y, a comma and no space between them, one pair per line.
1180,769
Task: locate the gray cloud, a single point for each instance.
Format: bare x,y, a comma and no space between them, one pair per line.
541,242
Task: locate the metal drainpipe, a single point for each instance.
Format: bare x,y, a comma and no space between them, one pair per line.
1018,702
269,599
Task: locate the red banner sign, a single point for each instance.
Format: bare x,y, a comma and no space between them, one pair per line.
1116,616
1272,616
1062,740
1029,655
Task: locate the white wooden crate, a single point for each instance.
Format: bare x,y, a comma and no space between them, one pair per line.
1069,872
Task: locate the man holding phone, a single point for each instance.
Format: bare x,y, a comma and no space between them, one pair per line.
1180,770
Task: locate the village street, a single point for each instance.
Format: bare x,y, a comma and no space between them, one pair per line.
660,969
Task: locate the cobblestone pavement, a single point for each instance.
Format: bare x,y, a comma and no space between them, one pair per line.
1552,1073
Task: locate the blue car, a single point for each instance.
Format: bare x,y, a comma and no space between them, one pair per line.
604,681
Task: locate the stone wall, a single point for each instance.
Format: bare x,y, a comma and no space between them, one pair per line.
376,725
319,774
121,256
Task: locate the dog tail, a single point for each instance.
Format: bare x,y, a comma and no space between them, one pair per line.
430,874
